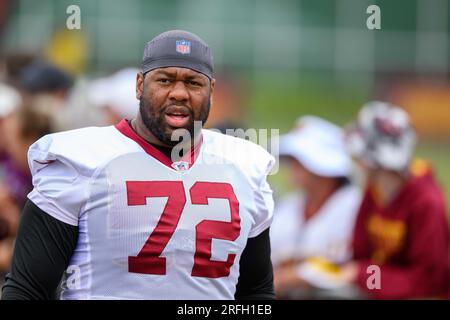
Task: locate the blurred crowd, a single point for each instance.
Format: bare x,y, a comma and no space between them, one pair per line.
38,98
365,219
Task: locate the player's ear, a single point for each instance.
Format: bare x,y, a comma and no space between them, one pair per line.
213,83
139,85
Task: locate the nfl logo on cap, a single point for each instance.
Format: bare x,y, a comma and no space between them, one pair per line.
183,46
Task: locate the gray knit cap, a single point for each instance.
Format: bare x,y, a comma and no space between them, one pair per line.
178,48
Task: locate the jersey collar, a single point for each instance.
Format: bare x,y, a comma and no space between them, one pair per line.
124,128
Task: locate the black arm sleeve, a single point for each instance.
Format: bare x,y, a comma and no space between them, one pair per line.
42,253
256,272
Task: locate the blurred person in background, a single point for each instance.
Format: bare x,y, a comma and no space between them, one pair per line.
10,99
41,77
43,83
402,224
64,96
115,95
313,225
20,128
13,64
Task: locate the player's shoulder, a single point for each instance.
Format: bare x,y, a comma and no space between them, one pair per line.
77,141
236,150
87,147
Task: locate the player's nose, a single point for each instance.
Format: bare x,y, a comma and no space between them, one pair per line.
179,91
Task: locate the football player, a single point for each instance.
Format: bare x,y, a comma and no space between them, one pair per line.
122,216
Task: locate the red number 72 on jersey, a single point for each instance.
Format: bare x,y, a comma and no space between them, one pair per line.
149,260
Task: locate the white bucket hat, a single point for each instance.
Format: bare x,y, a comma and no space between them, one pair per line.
319,146
9,100
117,91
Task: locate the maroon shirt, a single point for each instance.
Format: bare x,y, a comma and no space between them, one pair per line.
408,239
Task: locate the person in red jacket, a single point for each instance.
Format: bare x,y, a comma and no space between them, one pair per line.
401,236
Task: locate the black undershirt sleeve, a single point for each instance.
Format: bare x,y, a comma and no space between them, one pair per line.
43,248
256,272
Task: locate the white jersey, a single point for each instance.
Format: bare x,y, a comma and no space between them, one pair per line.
327,234
148,228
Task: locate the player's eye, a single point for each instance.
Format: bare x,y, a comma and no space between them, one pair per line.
194,83
164,80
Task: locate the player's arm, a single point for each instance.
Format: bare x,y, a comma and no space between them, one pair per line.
42,253
256,272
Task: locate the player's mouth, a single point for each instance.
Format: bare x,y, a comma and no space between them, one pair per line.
177,117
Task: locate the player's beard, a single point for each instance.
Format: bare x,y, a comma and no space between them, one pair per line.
155,121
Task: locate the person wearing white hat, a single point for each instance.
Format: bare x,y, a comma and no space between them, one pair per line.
9,100
315,221
115,95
